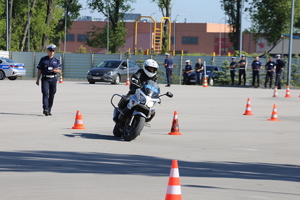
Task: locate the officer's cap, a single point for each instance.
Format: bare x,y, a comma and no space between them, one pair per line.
51,47
167,54
278,55
233,57
243,55
187,61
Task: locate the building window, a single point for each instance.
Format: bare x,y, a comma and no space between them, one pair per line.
189,40
172,39
71,37
82,37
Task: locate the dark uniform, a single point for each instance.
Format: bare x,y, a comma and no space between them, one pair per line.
187,73
48,81
256,66
198,72
242,70
279,68
169,66
233,65
270,66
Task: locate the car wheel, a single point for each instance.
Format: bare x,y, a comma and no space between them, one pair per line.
116,80
211,81
2,75
91,82
12,78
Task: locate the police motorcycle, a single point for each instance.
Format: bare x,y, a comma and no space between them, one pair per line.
140,111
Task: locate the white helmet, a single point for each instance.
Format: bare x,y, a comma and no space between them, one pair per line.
150,63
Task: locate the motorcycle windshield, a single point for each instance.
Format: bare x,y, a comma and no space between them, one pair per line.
151,89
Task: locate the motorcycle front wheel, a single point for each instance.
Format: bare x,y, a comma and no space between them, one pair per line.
118,129
133,128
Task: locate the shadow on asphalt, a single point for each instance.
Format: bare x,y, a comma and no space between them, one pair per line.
109,163
92,136
20,114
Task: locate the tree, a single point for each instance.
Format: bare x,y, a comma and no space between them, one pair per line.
165,8
233,9
114,11
44,23
272,18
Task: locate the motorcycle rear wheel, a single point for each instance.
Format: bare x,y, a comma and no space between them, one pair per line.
131,131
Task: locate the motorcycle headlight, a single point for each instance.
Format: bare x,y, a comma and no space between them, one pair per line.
150,104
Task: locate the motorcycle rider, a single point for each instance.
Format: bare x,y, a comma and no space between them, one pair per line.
138,79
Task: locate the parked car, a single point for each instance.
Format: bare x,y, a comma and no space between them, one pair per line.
210,75
114,71
11,69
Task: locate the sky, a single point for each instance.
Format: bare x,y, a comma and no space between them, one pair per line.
191,11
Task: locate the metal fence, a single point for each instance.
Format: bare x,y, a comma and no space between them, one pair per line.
76,65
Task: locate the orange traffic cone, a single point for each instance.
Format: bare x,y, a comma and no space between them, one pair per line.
248,108
175,126
205,82
127,81
274,114
60,79
275,94
287,91
174,189
78,124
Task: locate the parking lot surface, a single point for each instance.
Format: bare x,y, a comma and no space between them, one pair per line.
222,154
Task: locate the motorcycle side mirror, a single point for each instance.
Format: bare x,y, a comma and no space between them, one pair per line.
169,94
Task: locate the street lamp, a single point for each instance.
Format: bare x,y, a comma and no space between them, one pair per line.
175,31
107,36
220,54
28,49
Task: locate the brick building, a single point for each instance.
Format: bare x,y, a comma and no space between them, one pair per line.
204,38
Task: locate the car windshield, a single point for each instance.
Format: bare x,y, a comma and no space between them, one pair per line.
109,64
151,89
209,69
8,60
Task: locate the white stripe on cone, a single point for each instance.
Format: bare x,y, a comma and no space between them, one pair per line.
174,189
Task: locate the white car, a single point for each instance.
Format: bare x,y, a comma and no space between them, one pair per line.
11,69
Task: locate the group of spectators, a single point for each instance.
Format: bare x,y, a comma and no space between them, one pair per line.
270,67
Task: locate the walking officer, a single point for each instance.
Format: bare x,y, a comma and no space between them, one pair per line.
256,67
279,68
47,69
242,70
270,68
232,66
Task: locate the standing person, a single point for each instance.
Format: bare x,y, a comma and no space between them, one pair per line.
198,71
256,67
279,68
232,67
270,68
47,69
242,69
169,66
187,72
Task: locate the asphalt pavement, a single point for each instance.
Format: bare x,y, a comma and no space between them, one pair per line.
222,154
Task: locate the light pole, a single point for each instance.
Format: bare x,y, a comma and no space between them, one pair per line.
107,36
175,31
290,45
220,54
241,31
151,42
28,49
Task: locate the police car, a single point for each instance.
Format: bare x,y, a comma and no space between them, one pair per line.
11,69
